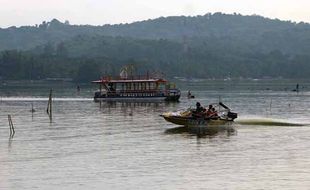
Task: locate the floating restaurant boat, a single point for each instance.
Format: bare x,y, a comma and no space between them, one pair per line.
190,117
136,88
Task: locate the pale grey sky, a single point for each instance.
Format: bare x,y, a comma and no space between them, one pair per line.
99,12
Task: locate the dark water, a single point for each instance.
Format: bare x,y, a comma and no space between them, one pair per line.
90,145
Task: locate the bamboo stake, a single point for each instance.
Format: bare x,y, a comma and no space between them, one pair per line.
50,99
49,105
12,130
32,109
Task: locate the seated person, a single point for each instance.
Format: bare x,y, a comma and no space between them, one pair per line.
111,87
199,108
199,111
209,112
214,113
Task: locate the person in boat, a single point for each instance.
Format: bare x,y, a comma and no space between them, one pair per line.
199,111
199,108
209,112
212,113
111,88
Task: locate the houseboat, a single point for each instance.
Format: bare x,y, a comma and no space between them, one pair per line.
136,88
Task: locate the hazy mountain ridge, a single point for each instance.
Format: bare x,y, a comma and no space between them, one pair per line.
209,46
266,34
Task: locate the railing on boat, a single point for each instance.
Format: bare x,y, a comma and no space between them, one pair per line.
140,92
137,92
136,77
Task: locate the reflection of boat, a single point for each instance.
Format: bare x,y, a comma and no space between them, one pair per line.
136,88
202,131
190,118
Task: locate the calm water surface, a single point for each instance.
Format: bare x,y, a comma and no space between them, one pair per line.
89,145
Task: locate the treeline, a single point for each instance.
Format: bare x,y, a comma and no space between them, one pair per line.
17,65
86,58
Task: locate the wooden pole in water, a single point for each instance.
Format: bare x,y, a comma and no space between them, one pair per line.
50,99
12,131
49,105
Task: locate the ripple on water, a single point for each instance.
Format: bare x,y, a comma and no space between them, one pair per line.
128,146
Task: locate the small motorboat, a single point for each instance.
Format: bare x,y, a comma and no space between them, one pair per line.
190,117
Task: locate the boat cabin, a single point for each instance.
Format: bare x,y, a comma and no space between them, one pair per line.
136,87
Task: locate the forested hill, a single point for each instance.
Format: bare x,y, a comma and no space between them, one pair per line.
262,33
210,46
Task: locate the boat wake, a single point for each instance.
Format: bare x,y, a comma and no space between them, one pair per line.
268,122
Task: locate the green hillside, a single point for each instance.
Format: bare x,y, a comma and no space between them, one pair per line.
210,46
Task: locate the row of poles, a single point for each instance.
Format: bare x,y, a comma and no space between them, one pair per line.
48,111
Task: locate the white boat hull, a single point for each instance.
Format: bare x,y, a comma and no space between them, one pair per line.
132,99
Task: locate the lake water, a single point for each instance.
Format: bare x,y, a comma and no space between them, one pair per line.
89,145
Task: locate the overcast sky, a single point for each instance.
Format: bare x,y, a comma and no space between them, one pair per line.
99,12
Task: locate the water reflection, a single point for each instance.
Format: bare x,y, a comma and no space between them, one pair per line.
10,143
113,104
203,131
132,108
134,104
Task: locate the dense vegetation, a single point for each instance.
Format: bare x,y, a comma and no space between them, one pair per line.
209,46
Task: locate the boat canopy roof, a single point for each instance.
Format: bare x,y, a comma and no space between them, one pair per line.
106,80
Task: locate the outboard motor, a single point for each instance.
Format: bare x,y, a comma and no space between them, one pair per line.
232,115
